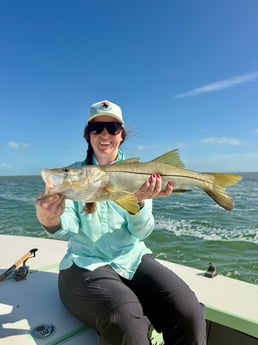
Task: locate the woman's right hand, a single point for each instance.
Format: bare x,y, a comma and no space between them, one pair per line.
49,208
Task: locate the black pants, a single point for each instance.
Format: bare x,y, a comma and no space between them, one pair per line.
122,310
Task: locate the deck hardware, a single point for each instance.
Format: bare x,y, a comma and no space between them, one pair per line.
42,331
211,271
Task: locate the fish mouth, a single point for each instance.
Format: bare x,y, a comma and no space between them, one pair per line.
51,180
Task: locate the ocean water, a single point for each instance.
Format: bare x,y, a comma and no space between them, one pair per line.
191,229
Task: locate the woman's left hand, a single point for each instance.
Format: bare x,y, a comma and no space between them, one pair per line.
152,189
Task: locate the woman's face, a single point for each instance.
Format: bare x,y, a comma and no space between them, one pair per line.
104,144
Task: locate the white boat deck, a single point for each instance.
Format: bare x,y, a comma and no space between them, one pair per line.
228,302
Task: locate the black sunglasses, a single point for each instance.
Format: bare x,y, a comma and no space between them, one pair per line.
113,128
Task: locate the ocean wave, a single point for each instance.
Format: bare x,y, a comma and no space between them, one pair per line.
206,230
9,197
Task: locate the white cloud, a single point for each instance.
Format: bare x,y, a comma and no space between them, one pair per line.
220,85
26,146
13,145
17,146
220,140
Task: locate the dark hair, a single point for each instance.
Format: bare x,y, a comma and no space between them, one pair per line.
90,207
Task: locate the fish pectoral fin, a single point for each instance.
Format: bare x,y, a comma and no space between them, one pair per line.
116,193
129,203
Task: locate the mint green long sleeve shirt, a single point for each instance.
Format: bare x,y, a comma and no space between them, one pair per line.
109,236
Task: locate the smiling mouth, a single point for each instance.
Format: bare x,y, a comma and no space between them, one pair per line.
105,142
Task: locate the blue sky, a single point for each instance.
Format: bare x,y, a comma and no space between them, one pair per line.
184,72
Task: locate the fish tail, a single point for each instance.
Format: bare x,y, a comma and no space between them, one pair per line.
226,180
218,192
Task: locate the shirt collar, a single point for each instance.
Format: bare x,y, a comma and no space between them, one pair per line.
119,158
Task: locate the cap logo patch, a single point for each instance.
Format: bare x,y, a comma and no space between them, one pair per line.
104,106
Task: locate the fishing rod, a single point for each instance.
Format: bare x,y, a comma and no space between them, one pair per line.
22,260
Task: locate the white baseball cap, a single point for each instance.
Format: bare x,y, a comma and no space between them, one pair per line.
106,108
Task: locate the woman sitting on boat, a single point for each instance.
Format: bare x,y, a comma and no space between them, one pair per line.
108,277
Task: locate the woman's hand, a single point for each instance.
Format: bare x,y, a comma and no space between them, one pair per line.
49,208
152,189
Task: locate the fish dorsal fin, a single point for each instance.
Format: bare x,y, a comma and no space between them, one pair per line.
171,158
129,160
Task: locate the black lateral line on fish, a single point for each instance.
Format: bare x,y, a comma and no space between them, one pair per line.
161,174
197,177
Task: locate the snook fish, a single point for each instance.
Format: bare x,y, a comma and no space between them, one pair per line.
119,181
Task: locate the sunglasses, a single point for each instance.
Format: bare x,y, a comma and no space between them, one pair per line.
113,128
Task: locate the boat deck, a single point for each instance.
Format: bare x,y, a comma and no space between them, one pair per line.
231,305
229,302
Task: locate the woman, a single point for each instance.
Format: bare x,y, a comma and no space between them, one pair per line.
108,277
